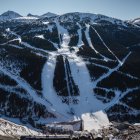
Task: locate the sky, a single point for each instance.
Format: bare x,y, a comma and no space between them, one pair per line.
122,9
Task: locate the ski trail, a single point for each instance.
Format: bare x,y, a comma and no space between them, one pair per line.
11,89
90,43
9,41
129,75
125,105
81,77
22,83
34,48
87,100
48,91
98,65
13,33
88,38
106,45
42,37
80,42
54,44
110,71
15,46
135,25
47,78
119,96
64,51
28,45
58,29
48,70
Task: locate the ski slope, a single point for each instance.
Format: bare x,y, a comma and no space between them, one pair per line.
88,106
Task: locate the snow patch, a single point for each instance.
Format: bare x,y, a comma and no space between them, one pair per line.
11,129
40,36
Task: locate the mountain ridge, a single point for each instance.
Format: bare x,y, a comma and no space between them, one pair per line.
9,15
52,15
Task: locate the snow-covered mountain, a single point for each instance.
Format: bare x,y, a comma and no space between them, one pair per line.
9,15
135,22
49,14
68,67
30,15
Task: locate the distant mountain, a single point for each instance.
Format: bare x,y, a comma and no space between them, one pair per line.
30,15
49,14
9,15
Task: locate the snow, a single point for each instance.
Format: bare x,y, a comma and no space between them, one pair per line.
13,33
48,89
87,101
135,22
15,46
88,108
78,69
95,121
90,43
110,71
40,36
47,22
48,74
10,41
118,100
60,30
137,124
94,18
28,45
101,66
8,30
22,83
9,15
81,77
88,38
11,129
106,45
80,42
128,75
91,112
18,37
50,27
26,18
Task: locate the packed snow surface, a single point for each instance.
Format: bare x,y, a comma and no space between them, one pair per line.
95,121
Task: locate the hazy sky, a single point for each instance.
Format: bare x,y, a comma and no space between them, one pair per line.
123,9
